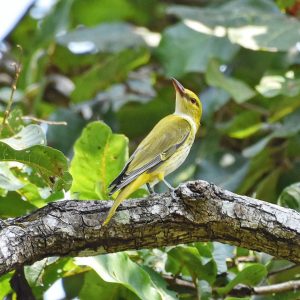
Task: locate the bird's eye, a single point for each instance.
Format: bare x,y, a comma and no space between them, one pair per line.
193,100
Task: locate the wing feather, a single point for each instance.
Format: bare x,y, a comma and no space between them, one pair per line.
159,145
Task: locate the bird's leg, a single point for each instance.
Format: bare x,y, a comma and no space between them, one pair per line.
150,189
171,189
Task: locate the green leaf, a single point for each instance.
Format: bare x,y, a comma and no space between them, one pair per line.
112,10
95,39
290,197
213,99
110,70
160,284
187,261
29,136
250,276
238,89
14,123
118,268
253,24
267,187
290,127
99,155
73,286
93,286
12,205
5,285
195,49
242,125
34,272
51,164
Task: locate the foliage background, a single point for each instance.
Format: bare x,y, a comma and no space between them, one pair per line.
85,61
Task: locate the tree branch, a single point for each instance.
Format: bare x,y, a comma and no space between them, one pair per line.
201,212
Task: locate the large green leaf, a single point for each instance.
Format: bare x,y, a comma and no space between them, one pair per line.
29,136
290,197
250,276
195,49
5,285
238,89
118,268
99,157
253,24
51,164
187,261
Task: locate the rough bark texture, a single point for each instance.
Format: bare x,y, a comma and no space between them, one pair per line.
201,212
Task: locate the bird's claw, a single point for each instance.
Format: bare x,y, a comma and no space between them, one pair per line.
173,193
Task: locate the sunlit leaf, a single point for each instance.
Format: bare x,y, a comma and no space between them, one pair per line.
8,181
50,163
253,24
5,285
99,157
118,268
29,136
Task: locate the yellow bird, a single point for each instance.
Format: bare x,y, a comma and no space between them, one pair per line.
162,151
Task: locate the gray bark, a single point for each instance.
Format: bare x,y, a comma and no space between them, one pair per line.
200,212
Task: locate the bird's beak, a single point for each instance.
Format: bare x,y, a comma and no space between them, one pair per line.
178,87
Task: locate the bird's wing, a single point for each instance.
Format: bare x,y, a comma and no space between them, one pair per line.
159,145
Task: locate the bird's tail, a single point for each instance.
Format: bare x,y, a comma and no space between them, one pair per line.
125,192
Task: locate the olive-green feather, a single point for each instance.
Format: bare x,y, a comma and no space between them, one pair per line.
158,146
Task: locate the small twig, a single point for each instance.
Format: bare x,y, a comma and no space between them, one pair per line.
17,67
44,121
293,285
179,281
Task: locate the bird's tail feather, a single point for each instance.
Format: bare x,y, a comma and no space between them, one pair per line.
125,192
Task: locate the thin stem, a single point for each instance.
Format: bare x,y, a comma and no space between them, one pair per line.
44,121
17,67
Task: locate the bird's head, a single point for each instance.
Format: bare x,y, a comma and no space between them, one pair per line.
187,102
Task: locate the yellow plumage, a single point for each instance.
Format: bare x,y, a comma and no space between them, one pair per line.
163,150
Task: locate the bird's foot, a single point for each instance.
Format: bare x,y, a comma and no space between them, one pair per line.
173,193
150,189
